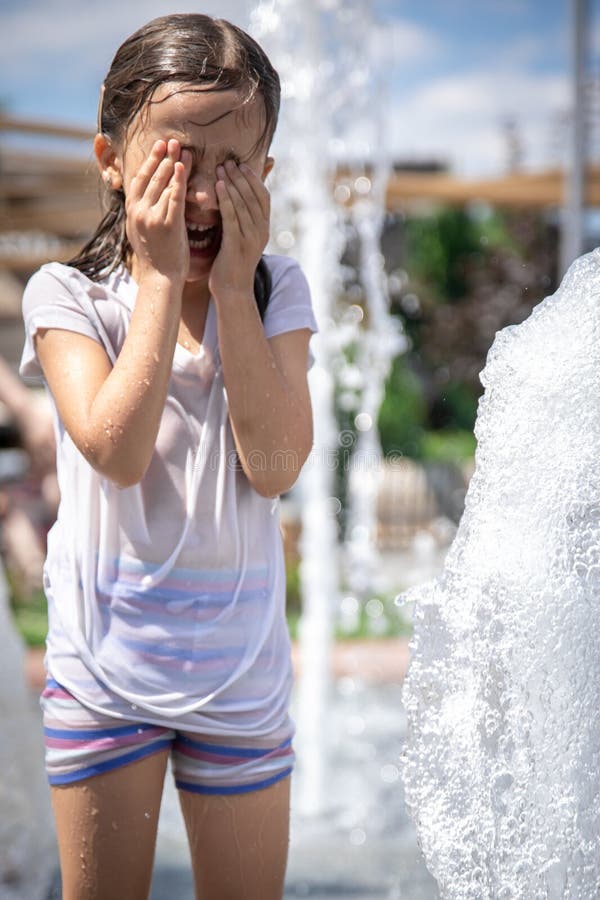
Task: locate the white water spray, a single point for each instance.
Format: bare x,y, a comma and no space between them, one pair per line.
321,51
502,767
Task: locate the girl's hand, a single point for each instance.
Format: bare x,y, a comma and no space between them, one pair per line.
155,207
245,206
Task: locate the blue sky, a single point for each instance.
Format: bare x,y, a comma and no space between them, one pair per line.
454,70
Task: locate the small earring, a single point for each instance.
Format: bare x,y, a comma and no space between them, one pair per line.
107,179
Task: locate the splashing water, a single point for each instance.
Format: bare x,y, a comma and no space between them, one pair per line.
502,766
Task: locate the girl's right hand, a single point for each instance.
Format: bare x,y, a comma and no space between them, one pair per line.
155,207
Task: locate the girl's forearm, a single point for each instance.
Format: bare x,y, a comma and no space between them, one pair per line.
125,414
273,435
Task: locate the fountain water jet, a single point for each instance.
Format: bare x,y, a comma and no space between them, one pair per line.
321,51
502,765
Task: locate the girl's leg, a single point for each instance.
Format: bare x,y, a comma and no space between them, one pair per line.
106,828
239,842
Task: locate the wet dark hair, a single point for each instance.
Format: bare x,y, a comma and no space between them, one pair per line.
189,48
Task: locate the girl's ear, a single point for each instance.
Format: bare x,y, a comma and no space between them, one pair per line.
108,161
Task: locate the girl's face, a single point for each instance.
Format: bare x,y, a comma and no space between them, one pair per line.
214,126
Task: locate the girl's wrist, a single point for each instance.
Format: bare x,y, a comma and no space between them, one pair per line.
231,293
156,280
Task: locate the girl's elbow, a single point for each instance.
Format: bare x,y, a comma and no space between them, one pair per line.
111,460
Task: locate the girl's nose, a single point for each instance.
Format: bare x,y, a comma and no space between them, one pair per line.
201,190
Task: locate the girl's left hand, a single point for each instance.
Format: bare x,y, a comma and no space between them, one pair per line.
245,206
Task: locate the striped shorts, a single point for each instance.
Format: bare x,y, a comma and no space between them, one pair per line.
80,742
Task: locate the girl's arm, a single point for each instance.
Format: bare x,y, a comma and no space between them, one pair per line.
112,414
268,396
265,378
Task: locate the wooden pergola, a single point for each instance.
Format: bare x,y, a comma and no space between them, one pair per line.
58,196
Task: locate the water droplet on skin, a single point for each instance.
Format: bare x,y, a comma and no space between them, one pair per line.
146,381
146,815
152,308
156,357
114,826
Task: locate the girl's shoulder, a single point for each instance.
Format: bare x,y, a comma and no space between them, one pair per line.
280,265
69,275
55,280
290,304
288,282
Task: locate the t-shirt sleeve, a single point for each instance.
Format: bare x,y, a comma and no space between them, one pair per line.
49,303
290,304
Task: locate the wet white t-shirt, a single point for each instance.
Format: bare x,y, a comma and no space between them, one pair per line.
166,599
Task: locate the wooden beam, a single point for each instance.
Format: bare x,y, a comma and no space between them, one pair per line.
29,126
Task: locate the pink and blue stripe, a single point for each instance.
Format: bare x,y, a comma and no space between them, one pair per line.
81,743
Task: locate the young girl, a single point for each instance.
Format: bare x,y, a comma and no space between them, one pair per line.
176,358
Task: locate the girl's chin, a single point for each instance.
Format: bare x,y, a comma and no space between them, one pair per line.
199,268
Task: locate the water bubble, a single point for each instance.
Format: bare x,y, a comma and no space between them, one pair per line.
357,837
349,605
363,421
411,304
374,608
334,505
286,240
362,185
389,773
342,193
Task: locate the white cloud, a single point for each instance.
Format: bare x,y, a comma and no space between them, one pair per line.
401,42
456,117
460,117
67,32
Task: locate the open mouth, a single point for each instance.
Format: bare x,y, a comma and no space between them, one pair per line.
202,237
